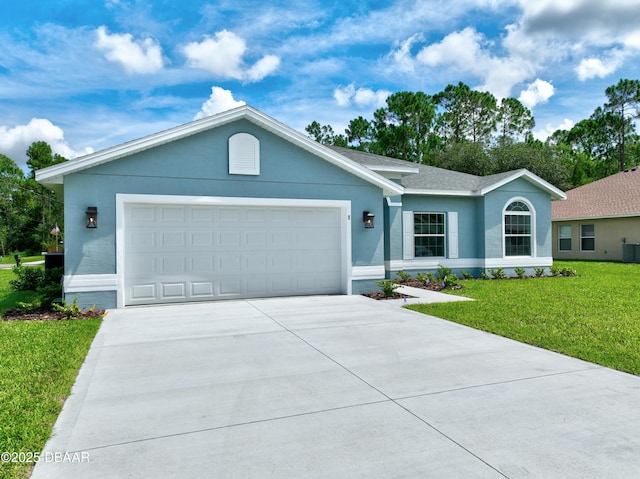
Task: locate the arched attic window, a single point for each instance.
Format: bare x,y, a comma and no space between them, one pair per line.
518,229
244,154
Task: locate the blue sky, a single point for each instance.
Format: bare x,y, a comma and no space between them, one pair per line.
84,75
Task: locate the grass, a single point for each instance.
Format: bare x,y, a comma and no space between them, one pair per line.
8,259
594,316
39,361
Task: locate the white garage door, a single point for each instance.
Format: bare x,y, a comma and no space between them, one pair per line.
176,253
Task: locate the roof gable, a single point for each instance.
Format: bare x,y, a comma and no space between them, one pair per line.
615,195
429,180
54,175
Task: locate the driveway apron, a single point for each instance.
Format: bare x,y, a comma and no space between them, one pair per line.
334,387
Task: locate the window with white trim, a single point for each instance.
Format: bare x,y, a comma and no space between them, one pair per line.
564,238
587,237
517,229
429,234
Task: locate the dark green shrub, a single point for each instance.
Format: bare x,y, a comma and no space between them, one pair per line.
466,275
539,272
520,272
28,278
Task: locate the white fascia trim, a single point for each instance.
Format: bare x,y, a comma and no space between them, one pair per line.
393,203
54,174
555,193
123,199
367,272
84,283
402,170
415,191
593,218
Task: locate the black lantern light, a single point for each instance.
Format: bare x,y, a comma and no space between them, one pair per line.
367,218
92,216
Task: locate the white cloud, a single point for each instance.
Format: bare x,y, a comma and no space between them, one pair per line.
537,92
143,56
14,141
263,67
544,133
362,97
401,56
219,101
594,67
223,55
468,52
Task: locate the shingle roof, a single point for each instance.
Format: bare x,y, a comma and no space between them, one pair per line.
424,179
615,195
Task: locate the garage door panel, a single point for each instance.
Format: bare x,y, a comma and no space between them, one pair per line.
176,253
202,289
174,290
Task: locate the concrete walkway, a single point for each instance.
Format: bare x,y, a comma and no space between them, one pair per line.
334,387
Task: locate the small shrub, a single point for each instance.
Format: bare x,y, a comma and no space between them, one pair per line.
29,307
443,272
520,272
539,272
484,275
388,287
562,271
69,311
403,275
426,278
450,281
466,275
497,273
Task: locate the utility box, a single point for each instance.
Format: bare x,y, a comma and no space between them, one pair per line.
631,253
53,260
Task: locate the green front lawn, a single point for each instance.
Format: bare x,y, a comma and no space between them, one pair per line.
594,316
39,361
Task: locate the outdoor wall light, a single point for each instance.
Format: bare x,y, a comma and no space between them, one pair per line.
92,216
367,218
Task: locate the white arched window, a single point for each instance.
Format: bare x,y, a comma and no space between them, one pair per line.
518,229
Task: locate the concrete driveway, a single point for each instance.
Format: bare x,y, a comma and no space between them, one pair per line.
334,387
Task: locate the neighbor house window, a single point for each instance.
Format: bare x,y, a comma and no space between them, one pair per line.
564,238
587,238
517,229
429,234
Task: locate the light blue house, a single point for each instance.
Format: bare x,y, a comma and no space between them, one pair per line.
238,205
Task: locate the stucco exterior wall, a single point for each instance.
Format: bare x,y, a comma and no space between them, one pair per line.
198,166
609,236
495,203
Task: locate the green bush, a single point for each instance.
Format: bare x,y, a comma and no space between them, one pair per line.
425,278
539,272
450,281
466,275
45,282
69,311
520,272
28,278
388,287
497,273
403,275
443,272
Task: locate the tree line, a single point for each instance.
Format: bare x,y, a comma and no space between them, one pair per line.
470,131
28,211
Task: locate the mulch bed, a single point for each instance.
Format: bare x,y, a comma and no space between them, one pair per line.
47,315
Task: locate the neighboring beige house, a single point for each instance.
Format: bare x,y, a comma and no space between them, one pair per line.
600,220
